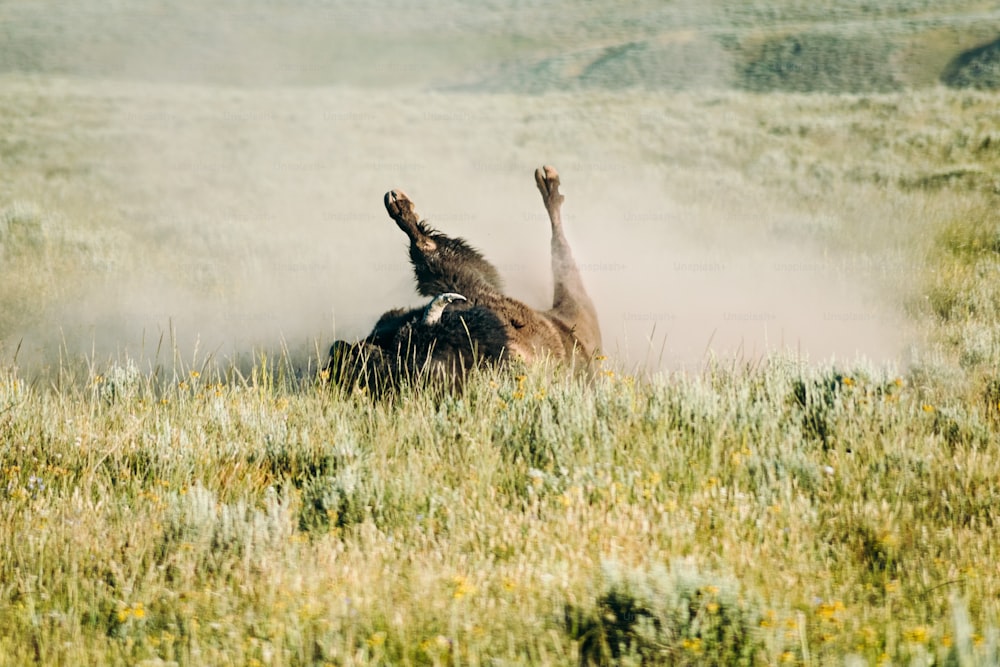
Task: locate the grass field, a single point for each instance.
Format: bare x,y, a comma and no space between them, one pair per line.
777,514
789,455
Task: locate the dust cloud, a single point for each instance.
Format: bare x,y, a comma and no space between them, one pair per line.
250,214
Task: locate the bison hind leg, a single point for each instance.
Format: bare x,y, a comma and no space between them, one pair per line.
571,304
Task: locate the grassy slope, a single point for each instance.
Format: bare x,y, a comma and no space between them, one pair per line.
852,46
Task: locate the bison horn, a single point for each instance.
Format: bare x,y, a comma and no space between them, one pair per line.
432,314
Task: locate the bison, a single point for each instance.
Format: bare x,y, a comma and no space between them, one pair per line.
469,320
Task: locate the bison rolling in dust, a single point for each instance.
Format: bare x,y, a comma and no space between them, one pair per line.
469,321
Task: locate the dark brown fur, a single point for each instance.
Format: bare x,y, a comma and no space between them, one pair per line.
489,328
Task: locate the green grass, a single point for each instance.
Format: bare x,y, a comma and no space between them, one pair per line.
752,515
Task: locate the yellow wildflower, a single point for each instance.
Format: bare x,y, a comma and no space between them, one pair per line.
825,611
917,635
435,644
462,587
693,645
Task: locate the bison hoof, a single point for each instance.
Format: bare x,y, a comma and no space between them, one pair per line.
547,179
399,206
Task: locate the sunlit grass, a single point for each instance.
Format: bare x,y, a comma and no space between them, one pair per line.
796,513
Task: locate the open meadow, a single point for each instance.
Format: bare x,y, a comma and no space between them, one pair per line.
787,213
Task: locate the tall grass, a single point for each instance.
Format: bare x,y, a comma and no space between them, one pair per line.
779,513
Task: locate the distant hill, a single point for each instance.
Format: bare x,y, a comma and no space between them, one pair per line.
852,46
